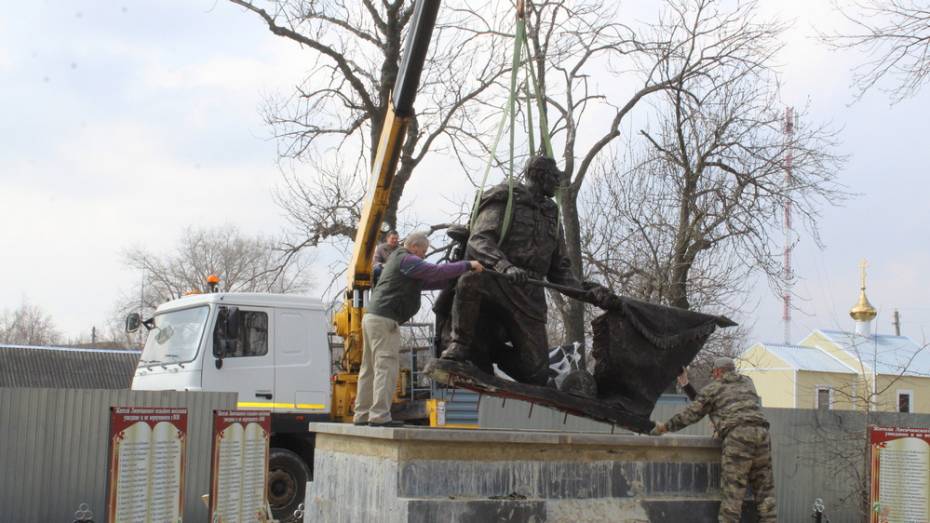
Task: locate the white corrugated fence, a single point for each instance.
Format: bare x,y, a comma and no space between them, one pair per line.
53,449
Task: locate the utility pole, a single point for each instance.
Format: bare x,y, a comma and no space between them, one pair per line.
93,335
897,323
788,273
142,304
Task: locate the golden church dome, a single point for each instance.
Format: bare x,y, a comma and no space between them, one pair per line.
863,310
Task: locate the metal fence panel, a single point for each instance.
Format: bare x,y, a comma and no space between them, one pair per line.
816,453
53,448
823,454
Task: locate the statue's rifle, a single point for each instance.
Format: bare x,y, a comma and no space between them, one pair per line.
572,292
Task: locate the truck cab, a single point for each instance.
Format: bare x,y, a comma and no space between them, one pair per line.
270,349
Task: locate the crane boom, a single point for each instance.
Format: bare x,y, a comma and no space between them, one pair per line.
348,321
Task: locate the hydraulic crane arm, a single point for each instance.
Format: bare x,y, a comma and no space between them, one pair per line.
399,110
348,321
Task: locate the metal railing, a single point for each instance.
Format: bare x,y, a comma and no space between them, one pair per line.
417,343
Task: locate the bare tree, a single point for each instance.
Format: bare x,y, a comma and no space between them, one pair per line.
701,212
895,34
333,119
243,263
573,42
694,209
27,325
629,239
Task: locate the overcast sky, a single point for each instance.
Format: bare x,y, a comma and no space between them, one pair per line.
125,121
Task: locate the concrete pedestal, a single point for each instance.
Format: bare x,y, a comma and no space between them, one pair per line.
411,475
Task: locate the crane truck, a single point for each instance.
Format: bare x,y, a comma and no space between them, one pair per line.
273,350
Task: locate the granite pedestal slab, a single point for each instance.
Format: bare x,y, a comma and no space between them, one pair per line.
409,475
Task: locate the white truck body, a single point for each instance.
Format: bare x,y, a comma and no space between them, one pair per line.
272,350
290,375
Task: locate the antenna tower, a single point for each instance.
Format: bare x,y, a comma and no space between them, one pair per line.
789,236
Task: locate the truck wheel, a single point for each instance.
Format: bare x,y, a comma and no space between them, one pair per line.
287,482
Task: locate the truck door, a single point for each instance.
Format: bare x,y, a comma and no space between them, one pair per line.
302,360
247,361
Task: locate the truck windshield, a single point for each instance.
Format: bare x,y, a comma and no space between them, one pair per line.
175,337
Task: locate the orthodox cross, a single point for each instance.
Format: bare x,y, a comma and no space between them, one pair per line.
863,265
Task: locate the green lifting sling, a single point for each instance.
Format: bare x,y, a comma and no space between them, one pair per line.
509,117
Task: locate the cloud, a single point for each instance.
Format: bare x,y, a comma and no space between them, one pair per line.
6,59
103,189
226,74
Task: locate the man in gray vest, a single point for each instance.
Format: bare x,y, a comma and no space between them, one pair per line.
394,300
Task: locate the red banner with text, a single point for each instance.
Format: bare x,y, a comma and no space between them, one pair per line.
147,456
900,472
239,466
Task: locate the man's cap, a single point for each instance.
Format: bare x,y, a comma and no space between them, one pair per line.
724,363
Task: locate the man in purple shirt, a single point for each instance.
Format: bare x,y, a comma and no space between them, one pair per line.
394,300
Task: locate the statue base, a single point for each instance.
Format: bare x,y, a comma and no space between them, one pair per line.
410,475
467,376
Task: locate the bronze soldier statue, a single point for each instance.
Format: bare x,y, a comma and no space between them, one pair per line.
496,316
736,409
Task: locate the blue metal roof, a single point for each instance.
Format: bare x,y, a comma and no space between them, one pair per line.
895,355
807,358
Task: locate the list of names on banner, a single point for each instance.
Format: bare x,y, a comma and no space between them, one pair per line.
900,474
238,487
146,472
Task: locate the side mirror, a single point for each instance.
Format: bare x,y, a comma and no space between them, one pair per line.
225,333
133,322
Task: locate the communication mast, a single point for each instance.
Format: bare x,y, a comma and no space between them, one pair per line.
788,273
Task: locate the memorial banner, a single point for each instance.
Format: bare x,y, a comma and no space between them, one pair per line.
146,464
900,471
239,466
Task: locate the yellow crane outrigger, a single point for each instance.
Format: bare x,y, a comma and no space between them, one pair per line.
348,320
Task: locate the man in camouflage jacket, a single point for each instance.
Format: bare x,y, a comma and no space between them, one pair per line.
510,315
732,401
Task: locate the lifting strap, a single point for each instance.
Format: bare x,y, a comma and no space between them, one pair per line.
543,123
509,116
